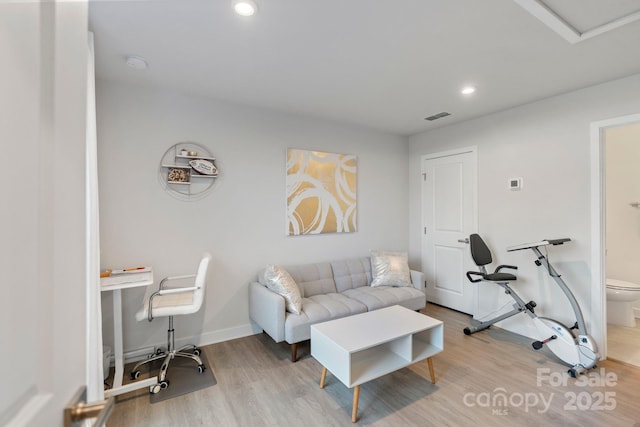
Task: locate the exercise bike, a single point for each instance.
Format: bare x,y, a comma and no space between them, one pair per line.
572,345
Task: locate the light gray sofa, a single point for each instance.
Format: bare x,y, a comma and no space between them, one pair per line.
329,290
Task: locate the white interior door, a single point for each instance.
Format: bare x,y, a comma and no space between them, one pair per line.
449,215
44,360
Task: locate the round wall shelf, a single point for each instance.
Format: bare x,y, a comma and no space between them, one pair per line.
188,171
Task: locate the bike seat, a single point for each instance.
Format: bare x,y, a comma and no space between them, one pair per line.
499,277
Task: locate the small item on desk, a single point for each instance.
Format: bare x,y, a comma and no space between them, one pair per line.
127,276
105,273
131,270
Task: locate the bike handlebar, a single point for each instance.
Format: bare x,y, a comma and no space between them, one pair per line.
545,242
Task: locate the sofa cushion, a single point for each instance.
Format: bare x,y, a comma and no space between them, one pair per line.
352,273
313,279
262,279
319,308
384,296
390,269
280,281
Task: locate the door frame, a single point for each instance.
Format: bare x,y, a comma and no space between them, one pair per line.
598,225
473,149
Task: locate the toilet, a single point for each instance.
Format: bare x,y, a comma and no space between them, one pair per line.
620,298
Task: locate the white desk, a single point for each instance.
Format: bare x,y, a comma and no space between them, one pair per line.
116,283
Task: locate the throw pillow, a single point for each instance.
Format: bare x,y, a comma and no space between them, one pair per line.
280,281
390,269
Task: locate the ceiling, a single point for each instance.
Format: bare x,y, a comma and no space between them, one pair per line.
384,64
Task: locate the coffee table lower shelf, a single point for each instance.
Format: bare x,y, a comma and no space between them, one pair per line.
356,389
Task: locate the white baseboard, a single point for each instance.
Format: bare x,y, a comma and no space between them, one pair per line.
636,312
202,340
226,334
138,354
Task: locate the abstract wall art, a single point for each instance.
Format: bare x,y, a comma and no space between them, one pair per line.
321,192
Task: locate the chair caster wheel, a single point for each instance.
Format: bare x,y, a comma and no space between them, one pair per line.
160,386
157,352
196,351
572,373
467,331
201,369
134,375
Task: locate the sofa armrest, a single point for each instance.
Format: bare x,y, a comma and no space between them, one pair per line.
417,280
267,309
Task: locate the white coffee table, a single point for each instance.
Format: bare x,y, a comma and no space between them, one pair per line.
363,347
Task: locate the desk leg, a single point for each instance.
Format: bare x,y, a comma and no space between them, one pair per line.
118,352
432,372
117,338
356,398
323,377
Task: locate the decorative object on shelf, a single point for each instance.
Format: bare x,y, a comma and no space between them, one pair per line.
188,171
321,192
203,167
178,175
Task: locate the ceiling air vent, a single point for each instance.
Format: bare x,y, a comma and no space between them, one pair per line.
437,116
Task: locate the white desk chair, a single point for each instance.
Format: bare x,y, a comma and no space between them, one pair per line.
170,301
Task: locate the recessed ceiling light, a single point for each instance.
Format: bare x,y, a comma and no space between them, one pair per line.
136,62
245,7
468,90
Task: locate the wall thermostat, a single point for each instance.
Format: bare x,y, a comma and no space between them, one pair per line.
515,184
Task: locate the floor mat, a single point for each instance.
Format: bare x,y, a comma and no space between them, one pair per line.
183,377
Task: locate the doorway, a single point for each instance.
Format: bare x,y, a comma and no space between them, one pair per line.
449,215
622,238
599,132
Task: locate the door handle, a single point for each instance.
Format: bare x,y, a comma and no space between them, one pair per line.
465,240
77,410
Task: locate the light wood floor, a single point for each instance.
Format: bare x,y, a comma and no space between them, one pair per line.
259,386
624,343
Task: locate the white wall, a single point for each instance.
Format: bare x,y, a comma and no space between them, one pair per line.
623,187
547,144
242,222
